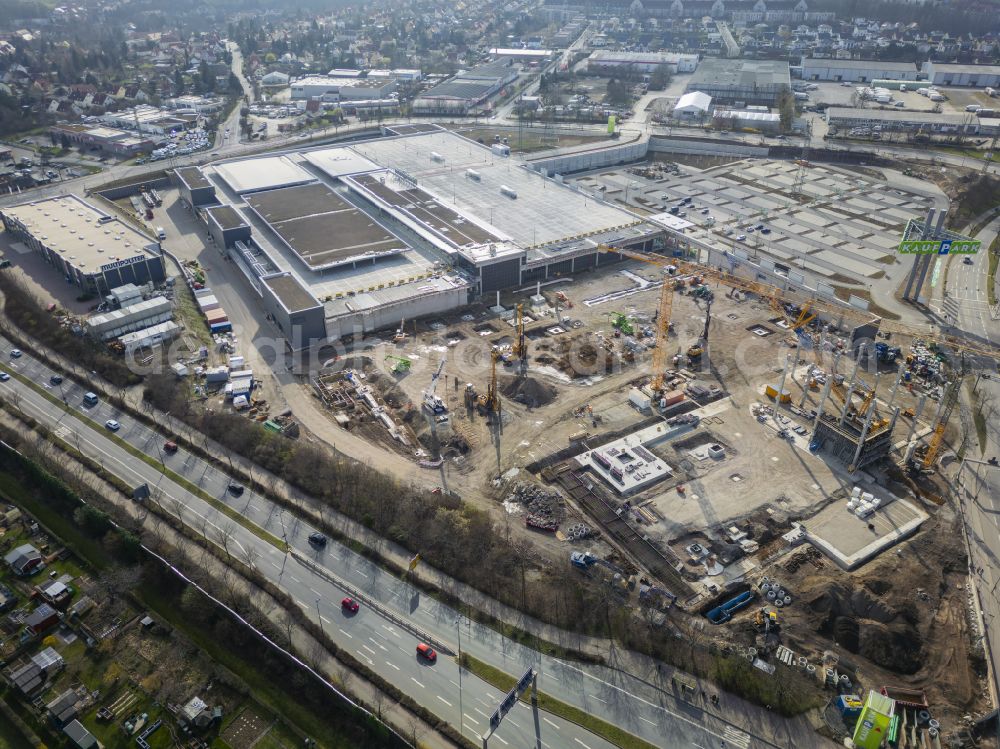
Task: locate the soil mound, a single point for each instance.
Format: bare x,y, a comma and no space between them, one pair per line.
527,390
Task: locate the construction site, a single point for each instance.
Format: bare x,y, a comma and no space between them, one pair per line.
700,401
685,436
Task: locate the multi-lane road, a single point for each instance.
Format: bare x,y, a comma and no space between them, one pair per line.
646,709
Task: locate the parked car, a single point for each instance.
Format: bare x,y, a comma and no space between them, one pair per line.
741,238
235,489
426,652
15,353
113,425
169,447
317,539
4,377
350,605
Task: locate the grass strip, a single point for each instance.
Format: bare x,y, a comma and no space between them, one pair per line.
504,681
152,462
991,275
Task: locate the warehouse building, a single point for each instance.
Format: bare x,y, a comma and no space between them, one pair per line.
952,74
326,88
227,226
741,82
138,316
89,248
738,119
350,239
466,91
610,61
844,118
857,71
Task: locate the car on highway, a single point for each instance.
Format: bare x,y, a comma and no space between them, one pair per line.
4,377
235,489
55,380
350,605
741,238
170,446
113,425
426,652
967,260
317,539
15,353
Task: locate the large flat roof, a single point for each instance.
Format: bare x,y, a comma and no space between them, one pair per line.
895,115
816,62
338,161
292,294
226,217
543,212
69,225
403,196
957,67
713,71
250,175
322,228
192,177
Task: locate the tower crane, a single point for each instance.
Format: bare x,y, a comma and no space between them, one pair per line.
937,439
959,344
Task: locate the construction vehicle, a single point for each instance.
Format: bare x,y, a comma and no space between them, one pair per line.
694,352
400,336
584,560
621,322
400,364
432,402
489,402
885,353
563,300
765,621
833,310
930,453
520,349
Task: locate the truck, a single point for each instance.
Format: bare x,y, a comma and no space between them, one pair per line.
886,353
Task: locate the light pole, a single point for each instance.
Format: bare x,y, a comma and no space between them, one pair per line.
320,615
461,712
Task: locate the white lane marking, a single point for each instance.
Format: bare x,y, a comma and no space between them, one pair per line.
470,718
513,723
443,700
325,619
390,630
295,579
276,566
368,649
349,635
377,644
594,696
550,723
501,740
580,743
316,591
651,722
363,574
417,682
736,736
370,661
454,683
480,712
483,702
388,663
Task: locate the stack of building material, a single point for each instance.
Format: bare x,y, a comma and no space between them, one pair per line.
218,320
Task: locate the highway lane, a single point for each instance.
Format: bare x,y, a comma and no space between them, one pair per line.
388,649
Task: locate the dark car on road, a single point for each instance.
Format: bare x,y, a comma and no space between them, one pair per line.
317,539
236,489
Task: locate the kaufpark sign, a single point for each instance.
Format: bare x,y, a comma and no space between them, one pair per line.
939,246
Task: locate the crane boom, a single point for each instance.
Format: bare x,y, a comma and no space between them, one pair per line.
662,329
799,299
951,398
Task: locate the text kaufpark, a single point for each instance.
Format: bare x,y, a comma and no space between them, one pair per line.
939,247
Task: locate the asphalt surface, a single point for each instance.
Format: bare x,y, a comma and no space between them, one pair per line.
647,710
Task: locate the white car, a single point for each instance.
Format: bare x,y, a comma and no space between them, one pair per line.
15,353
4,377
741,238
113,425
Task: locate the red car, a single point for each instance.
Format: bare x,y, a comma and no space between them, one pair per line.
349,604
427,652
170,447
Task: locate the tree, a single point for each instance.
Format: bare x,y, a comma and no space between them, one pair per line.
660,78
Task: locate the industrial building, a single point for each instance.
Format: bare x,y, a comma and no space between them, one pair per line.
693,105
847,118
738,119
344,239
148,119
604,61
128,319
108,139
741,82
467,90
953,74
326,88
89,248
857,71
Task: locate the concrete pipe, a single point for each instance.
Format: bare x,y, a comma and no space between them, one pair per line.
771,595
810,669
765,587
752,651
765,580
923,716
803,661
934,723
778,603
780,593
932,732
788,600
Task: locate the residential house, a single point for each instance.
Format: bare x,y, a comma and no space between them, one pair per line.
62,709
41,619
79,736
24,560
